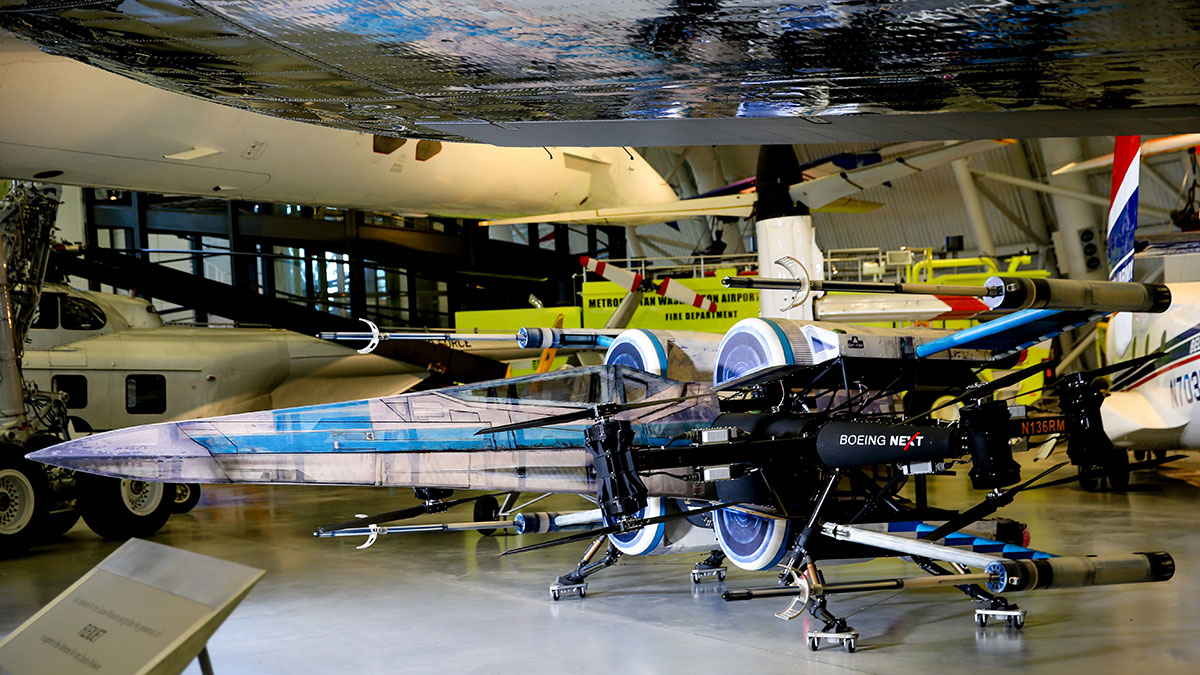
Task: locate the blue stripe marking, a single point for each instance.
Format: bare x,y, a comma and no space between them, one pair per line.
983,330
658,348
976,544
1120,241
353,439
1176,348
783,340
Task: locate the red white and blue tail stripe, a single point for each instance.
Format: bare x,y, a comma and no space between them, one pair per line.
1122,209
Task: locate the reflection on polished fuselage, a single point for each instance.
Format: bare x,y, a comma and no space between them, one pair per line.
416,68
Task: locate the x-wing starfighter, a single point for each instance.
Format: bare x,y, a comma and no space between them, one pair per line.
766,466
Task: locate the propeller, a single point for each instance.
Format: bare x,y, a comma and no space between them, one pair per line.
988,506
1100,473
596,412
623,526
633,282
1119,366
987,388
404,514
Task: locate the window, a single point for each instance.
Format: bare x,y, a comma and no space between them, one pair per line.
47,312
575,389
74,386
80,314
145,394
634,390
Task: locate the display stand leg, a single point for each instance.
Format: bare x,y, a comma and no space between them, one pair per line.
205,662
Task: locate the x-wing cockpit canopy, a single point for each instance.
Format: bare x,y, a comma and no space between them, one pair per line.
574,388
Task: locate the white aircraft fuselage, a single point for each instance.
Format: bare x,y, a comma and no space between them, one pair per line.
1157,406
121,366
104,130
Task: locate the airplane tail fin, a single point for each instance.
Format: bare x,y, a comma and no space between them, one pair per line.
1122,209
1122,222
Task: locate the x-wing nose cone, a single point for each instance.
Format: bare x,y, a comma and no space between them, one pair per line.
155,452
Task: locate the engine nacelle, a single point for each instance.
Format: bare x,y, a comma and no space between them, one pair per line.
751,542
752,345
677,536
680,355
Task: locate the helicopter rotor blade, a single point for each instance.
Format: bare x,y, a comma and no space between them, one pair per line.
986,507
1121,365
1100,473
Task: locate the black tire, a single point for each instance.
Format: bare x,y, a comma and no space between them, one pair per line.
486,508
119,509
80,425
57,524
1092,481
187,496
41,441
24,501
1117,470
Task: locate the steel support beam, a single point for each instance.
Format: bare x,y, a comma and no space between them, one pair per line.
436,255
182,288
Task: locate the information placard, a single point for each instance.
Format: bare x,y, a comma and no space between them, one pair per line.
147,608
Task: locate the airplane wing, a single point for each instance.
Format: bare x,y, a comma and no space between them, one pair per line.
818,193
736,206
830,193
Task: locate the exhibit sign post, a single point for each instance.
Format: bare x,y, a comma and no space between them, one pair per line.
147,608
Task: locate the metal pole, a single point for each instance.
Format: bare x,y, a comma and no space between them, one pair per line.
970,197
205,662
1075,352
1056,190
861,586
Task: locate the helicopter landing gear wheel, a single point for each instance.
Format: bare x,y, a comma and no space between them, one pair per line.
186,497
24,497
120,508
1117,470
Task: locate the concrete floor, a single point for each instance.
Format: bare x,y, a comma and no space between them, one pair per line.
445,603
